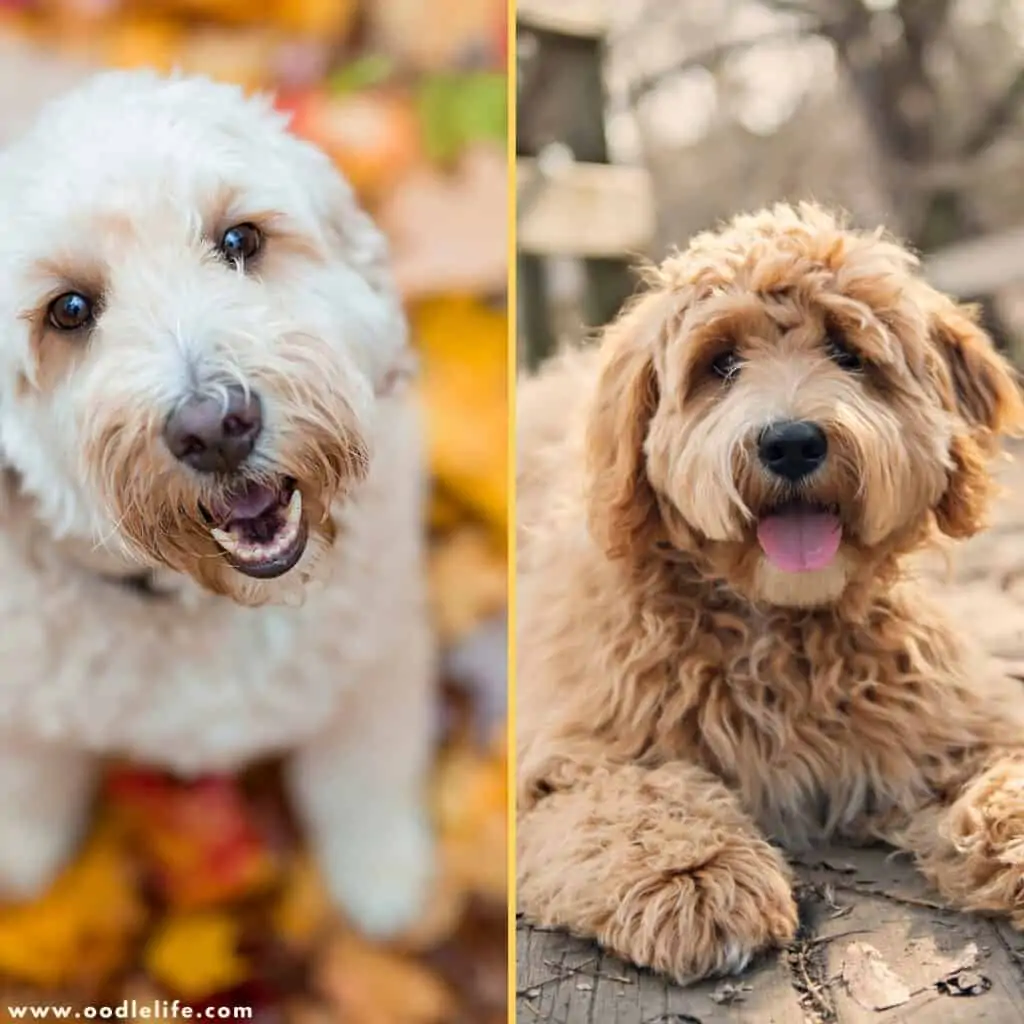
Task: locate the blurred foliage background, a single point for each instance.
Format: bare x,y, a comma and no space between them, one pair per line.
204,892
907,113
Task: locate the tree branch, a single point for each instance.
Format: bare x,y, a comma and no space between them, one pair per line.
999,117
712,58
806,8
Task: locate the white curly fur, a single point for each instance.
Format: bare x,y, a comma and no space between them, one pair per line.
121,185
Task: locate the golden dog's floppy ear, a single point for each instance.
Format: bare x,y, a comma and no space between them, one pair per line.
983,389
622,507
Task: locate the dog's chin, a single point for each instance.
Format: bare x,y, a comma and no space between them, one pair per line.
258,541
813,588
270,539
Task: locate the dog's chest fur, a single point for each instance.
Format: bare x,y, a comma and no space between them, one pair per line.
188,680
819,724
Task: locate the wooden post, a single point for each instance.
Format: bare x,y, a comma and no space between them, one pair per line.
563,102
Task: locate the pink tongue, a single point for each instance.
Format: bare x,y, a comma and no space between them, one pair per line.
799,540
250,503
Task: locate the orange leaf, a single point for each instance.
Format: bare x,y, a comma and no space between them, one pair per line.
369,985
196,954
332,19
373,137
139,42
82,929
199,838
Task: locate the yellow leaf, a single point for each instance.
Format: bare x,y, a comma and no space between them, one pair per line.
195,954
470,795
469,580
303,907
83,928
463,382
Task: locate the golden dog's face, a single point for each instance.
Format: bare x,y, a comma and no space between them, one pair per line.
792,407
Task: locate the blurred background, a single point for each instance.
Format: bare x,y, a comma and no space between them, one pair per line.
908,113
204,892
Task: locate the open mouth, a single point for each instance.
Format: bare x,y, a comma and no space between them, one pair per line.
260,528
800,536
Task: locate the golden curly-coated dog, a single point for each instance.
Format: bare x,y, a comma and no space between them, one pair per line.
721,650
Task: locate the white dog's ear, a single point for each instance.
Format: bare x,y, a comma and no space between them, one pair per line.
360,240
353,237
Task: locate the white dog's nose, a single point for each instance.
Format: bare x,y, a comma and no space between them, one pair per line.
212,436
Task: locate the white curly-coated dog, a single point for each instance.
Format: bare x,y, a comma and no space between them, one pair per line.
211,508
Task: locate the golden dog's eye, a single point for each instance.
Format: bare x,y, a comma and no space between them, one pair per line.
241,242
70,311
726,364
840,353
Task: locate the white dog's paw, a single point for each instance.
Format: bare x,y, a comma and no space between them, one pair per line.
380,875
32,854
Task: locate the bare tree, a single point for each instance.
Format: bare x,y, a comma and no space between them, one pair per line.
928,148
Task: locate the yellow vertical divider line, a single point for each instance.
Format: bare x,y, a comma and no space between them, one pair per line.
511,307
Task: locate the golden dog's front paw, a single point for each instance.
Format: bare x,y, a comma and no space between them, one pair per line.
707,920
977,858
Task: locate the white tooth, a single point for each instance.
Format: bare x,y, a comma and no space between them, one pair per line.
294,507
247,551
225,540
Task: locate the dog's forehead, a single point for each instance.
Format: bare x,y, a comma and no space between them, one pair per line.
133,142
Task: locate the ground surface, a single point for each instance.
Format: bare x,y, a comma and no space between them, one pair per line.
878,948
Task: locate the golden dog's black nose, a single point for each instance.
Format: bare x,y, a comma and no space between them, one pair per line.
792,449
214,435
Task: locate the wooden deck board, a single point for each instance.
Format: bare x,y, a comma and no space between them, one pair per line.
849,897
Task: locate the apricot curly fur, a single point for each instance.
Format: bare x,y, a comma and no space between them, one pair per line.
683,708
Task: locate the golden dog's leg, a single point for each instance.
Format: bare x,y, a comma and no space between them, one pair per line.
972,849
661,866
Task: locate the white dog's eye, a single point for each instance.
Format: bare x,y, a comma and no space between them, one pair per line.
241,242
70,311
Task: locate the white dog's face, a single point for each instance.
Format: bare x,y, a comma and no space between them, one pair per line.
194,320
